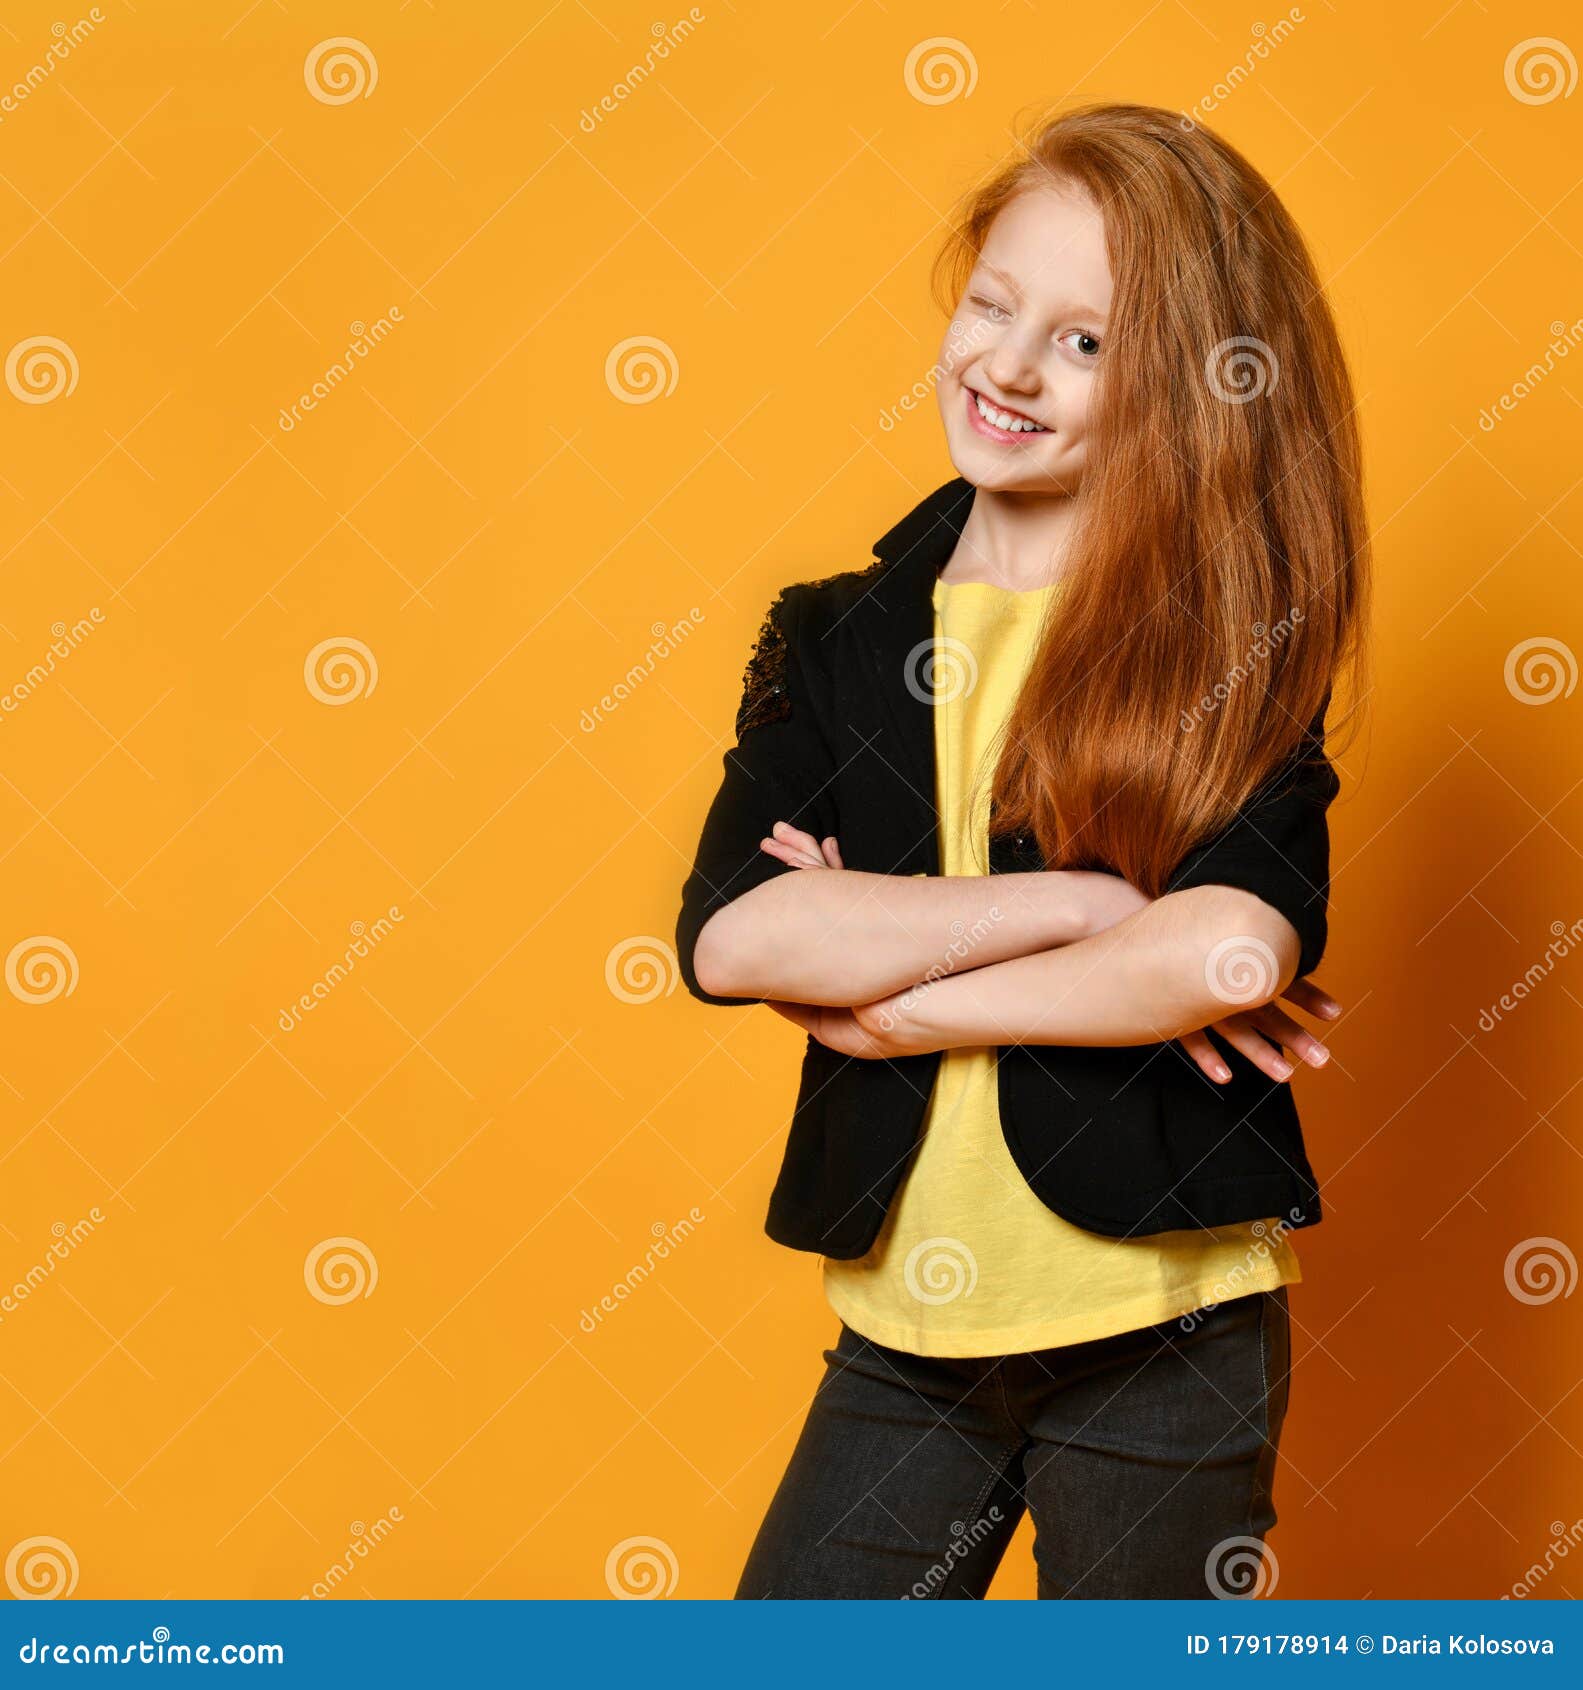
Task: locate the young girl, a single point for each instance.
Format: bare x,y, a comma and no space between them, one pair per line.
1025,826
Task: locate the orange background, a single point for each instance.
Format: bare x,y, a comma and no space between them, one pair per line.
497,1128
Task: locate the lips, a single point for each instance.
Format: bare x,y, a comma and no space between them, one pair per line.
1000,422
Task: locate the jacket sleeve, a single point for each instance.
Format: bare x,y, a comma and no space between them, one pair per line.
1278,845
781,768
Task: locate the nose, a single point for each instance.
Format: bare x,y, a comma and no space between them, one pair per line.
1014,365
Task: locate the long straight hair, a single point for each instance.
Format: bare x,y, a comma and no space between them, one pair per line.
1219,569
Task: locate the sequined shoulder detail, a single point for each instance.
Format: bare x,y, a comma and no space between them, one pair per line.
764,695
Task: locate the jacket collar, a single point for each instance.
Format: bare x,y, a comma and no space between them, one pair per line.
922,542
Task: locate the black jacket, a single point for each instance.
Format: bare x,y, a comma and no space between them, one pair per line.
836,735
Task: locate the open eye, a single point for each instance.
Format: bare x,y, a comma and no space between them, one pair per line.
1086,345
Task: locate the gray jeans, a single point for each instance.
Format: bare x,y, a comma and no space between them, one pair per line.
1146,1460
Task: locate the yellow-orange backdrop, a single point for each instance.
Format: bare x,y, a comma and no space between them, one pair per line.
312,666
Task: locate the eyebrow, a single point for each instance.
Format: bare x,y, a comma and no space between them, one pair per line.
1077,308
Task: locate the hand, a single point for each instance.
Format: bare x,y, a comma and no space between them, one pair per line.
801,850
1260,1032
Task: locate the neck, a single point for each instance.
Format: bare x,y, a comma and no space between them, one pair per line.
1016,540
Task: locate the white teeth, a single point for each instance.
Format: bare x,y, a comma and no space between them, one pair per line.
1005,420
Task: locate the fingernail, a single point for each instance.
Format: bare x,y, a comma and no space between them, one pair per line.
1319,1056
1282,1069
1222,1072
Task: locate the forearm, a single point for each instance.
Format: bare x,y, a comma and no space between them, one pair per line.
1179,964
840,937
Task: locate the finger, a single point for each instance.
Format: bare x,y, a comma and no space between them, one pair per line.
1276,1024
795,837
789,854
1197,1046
1314,998
832,852
804,1015
1259,1051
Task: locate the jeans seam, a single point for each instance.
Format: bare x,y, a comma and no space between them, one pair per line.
1264,1387
997,1473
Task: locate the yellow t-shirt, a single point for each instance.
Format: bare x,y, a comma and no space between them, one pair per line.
969,1262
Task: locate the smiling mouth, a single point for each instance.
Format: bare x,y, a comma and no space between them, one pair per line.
997,421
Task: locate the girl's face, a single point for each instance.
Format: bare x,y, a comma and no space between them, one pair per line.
1019,359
